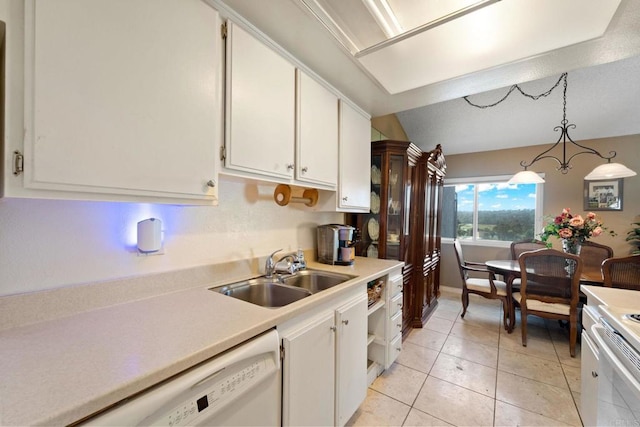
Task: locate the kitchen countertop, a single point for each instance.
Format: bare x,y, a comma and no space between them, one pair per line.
622,298
63,369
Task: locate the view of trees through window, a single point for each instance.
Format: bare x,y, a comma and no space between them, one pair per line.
489,211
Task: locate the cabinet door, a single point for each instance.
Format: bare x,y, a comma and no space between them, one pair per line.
589,381
308,373
260,107
355,159
317,133
351,366
122,97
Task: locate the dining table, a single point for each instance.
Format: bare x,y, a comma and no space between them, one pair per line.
510,270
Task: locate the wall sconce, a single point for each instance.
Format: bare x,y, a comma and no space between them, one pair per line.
150,237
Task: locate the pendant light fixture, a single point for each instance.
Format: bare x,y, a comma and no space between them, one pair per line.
607,171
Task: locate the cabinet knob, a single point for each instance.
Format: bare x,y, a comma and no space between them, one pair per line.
594,374
399,348
333,328
211,183
305,169
345,198
346,322
290,166
399,325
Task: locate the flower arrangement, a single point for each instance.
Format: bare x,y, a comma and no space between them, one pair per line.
573,229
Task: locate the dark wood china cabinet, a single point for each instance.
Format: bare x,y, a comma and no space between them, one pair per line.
403,224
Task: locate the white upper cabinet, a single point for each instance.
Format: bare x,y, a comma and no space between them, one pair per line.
355,160
123,97
317,132
260,107
281,122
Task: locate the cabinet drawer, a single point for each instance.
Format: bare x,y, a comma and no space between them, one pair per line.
395,305
395,348
395,325
395,285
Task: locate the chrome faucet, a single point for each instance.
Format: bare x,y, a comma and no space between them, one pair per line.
269,265
288,263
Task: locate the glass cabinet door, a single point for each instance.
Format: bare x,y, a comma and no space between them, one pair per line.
395,206
372,221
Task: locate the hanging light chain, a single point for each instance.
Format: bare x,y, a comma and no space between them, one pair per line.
563,77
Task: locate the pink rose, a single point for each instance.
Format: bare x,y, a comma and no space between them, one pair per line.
565,233
576,221
596,231
591,216
558,220
566,211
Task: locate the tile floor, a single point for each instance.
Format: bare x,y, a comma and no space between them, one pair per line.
471,372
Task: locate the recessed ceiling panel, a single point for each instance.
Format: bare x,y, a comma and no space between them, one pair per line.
503,32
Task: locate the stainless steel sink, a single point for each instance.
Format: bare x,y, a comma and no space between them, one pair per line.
282,290
315,280
264,292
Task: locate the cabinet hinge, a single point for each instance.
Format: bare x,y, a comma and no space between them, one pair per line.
223,153
223,30
281,353
18,162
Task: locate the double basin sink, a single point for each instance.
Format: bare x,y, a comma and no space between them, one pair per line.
281,290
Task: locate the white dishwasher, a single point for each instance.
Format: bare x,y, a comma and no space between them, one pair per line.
238,388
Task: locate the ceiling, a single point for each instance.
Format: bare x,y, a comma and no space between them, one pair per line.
603,83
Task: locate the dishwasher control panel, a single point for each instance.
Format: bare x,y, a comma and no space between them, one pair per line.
218,392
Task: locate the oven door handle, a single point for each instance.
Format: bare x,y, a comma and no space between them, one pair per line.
612,358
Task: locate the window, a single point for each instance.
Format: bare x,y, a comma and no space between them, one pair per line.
489,209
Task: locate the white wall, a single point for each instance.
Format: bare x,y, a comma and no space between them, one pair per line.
46,244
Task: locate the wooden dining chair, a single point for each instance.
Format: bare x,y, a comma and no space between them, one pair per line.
622,272
525,246
550,288
520,247
593,255
486,286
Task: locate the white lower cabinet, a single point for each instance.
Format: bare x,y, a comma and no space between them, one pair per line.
324,364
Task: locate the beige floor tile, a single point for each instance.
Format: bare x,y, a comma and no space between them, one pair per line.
577,399
420,419
417,357
439,324
573,377
544,399
482,319
379,410
470,375
539,347
427,338
535,368
446,313
454,404
481,335
473,351
562,350
400,383
509,415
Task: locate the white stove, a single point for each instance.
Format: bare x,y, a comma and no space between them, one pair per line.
617,336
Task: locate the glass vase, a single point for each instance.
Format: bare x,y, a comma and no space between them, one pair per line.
571,247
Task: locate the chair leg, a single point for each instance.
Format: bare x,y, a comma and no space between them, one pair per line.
573,336
465,301
523,319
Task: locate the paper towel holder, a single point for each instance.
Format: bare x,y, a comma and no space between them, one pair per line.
149,237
